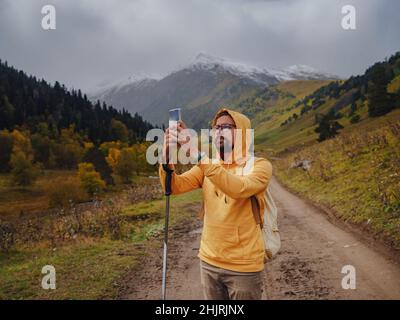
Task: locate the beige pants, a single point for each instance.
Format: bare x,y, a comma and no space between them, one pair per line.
222,284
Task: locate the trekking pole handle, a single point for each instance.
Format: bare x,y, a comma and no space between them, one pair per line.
168,179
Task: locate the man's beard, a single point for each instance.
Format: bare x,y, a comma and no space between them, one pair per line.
225,148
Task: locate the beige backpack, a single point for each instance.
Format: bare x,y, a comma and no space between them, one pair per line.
268,225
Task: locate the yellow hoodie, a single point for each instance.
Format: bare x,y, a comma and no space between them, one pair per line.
231,239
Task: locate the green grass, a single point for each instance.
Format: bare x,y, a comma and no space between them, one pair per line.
89,268
295,134
178,211
360,180
83,271
364,188
274,107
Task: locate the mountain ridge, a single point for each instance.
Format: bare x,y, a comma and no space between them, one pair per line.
204,84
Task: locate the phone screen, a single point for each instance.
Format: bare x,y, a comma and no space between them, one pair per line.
174,116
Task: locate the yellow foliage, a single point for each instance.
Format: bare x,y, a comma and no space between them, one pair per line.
88,145
22,143
90,179
394,85
106,146
113,157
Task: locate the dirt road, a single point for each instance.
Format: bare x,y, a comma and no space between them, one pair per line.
308,266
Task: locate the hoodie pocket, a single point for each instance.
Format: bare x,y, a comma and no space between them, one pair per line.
252,243
221,242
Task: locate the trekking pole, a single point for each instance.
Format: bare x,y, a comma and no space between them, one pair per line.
168,192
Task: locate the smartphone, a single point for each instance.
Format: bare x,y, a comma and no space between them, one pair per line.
174,116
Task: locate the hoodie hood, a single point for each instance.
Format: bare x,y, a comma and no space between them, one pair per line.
244,136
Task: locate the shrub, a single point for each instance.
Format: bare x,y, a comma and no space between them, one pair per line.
24,173
90,179
123,162
64,192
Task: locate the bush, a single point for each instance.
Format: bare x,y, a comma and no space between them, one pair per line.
64,192
90,179
24,173
123,162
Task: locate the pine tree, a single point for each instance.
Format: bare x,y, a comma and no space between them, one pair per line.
379,100
328,127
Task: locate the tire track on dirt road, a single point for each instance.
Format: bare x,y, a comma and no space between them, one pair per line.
308,266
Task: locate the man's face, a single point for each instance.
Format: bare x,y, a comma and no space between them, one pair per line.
224,135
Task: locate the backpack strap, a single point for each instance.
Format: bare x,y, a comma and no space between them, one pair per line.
255,208
200,214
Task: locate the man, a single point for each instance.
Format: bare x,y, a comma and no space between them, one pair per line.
232,249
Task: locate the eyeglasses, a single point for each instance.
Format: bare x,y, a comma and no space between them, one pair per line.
224,127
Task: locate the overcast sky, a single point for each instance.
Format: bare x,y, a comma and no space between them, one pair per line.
98,41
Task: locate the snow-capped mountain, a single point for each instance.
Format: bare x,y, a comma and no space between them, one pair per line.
303,72
214,65
204,84
130,88
296,72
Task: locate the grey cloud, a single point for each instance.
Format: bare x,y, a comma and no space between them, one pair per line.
100,40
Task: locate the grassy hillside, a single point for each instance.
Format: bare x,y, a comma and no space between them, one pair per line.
269,107
357,172
286,115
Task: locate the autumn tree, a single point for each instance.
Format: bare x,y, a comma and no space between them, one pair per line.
95,156
24,172
123,163
70,150
90,179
